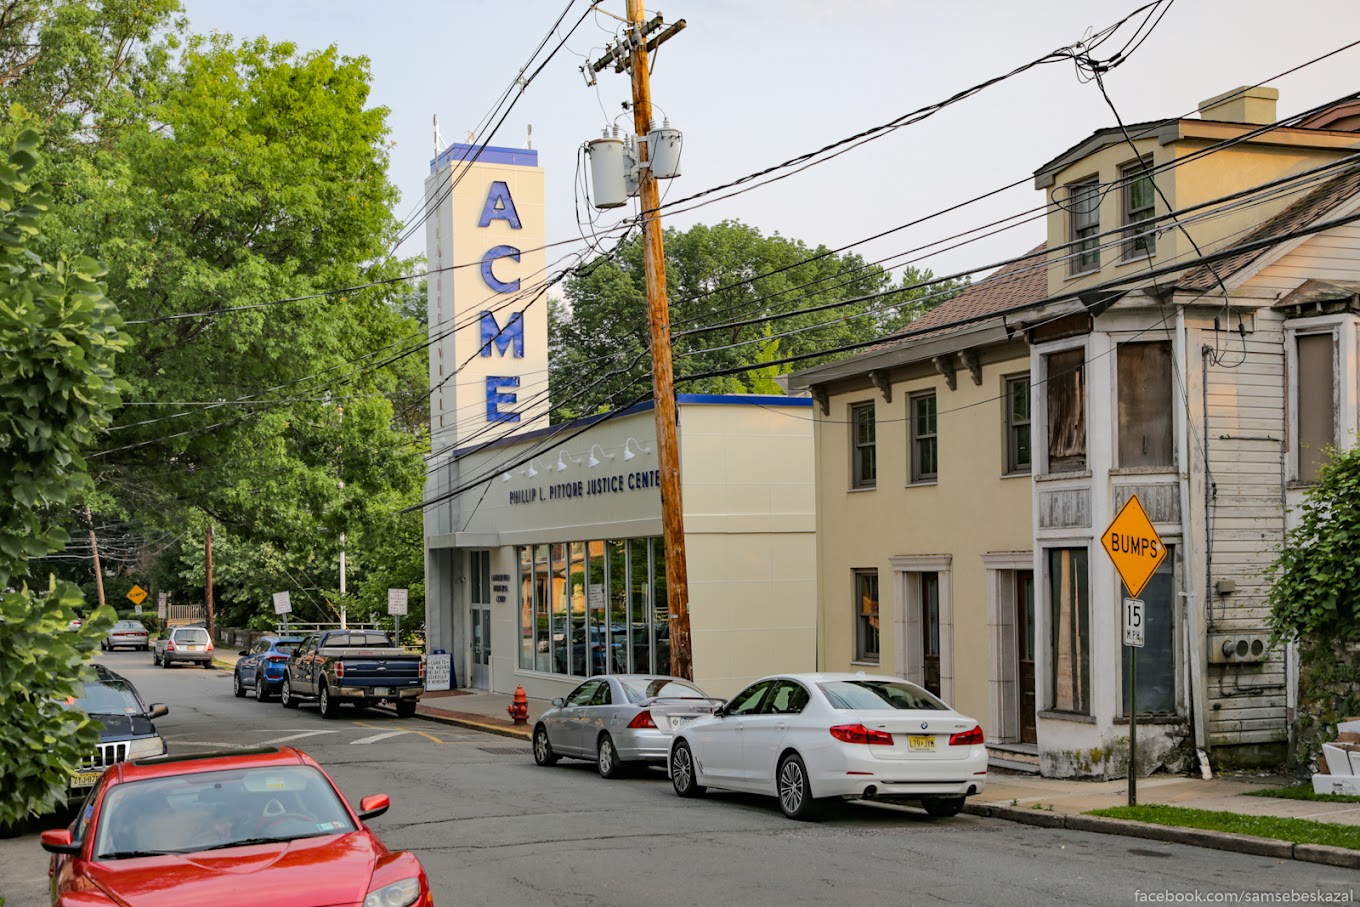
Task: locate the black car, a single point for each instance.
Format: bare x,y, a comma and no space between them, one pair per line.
112,700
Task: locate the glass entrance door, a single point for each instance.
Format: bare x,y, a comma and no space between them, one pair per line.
481,648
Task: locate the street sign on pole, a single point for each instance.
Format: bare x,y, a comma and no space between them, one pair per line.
136,595
396,602
137,609
1133,622
1137,551
160,606
283,604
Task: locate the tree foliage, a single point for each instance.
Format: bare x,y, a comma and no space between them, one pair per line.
217,177
719,277
58,339
1315,602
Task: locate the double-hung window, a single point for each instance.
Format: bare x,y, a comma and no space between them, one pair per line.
1083,206
1065,373
1016,401
866,616
863,465
925,451
1140,235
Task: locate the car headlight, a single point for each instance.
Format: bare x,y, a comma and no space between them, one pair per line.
142,747
398,894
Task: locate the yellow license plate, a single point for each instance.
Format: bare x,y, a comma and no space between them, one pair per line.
919,744
84,779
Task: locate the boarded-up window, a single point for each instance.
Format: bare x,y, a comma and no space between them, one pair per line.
1070,626
866,615
1066,378
1145,404
1316,402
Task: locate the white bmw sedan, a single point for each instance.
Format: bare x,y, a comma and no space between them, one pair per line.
806,738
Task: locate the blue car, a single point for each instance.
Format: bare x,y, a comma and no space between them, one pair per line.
262,666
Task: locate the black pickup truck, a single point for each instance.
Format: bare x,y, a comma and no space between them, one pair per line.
361,667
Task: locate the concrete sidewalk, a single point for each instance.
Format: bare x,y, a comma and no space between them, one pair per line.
1030,799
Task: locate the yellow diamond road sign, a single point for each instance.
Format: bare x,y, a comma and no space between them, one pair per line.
137,595
1134,546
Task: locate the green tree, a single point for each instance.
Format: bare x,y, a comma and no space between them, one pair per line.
217,174
1315,601
59,335
717,277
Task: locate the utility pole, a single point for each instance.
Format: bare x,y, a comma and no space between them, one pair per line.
94,547
663,378
207,557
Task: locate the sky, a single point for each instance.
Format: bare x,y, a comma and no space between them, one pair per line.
752,83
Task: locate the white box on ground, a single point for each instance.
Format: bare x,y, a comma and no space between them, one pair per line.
1336,784
1338,759
1344,726
437,670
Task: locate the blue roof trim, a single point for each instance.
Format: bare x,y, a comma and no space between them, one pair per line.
719,399
491,154
744,399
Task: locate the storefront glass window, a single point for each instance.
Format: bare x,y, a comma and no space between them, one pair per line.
579,652
616,557
639,613
661,625
596,607
561,630
525,558
542,606
601,659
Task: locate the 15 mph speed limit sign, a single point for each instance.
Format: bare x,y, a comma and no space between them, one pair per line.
1133,622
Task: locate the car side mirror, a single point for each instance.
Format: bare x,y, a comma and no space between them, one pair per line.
58,840
374,806
559,702
158,710
243,652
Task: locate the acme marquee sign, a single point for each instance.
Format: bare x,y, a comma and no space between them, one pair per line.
563,491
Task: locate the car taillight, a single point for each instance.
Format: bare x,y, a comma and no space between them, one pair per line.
642,719
966,738
339,669
169,646
858,733
209,647
276,657
420,671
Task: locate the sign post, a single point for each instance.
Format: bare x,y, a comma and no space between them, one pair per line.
1137,551
283,605
396,606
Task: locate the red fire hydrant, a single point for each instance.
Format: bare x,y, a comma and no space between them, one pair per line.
519,708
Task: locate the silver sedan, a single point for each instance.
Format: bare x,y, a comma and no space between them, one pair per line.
610,719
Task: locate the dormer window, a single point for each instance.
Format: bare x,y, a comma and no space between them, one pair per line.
1140,235
1083,205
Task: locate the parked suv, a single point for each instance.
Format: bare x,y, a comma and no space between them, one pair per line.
191,644
112,700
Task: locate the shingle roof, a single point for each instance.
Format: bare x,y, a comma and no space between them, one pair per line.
1301,213
1022,281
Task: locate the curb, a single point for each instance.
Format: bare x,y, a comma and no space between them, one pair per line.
1172,834
474,724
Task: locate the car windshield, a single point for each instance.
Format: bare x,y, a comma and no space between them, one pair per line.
128,625
652,687
191,636
877,695
215,810
107,697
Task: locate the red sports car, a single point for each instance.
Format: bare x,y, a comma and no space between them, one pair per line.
248,827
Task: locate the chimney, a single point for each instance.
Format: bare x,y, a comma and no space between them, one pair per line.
1253,106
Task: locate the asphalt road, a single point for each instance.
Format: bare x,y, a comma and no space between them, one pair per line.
493,828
